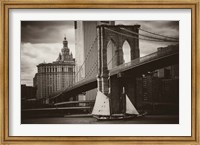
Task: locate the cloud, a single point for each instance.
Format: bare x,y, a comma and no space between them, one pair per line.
168,28
42,41
34,54
46,31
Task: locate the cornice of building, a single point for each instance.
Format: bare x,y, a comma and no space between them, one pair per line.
57,63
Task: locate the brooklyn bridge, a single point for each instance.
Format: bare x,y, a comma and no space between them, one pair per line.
116,79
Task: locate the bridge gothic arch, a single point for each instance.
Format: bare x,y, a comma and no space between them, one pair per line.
117,34
126,51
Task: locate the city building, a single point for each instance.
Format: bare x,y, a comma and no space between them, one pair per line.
86,52
28,92
158,91
56,76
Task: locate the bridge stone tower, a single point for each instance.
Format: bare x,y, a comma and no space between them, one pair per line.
118,36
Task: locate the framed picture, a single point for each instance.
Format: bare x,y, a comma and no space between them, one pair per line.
101,72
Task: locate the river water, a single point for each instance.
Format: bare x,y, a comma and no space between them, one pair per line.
149,119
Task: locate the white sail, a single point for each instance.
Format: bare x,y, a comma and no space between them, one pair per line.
101,106
130,109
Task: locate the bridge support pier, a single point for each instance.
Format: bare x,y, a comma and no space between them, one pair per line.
99,83
105,86
115,95
130,89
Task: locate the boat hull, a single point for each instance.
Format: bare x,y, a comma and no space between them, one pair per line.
118,117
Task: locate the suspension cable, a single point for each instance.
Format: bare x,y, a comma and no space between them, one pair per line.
95,64
157,34
144,35
91,48
139,38
92,69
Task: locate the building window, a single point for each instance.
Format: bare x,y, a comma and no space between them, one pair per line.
70,69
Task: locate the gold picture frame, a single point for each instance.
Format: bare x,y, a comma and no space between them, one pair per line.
127,4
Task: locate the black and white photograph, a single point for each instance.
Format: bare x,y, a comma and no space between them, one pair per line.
99,72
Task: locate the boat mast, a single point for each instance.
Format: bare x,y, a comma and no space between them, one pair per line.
109,95
123,101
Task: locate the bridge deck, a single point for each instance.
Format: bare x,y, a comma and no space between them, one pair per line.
155,61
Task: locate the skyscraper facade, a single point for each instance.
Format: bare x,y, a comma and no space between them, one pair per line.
55,76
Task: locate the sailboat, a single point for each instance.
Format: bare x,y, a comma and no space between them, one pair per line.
102,109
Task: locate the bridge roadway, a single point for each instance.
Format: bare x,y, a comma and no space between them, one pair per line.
136,67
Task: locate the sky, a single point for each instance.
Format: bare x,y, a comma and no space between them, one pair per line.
41,41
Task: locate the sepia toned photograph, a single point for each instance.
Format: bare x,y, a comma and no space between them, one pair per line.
99,72
102,72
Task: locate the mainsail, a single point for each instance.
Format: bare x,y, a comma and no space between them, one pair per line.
101,106
130,109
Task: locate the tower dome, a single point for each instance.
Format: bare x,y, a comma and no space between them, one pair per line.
65,42
65,50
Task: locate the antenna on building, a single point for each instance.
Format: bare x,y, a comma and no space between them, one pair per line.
64,36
